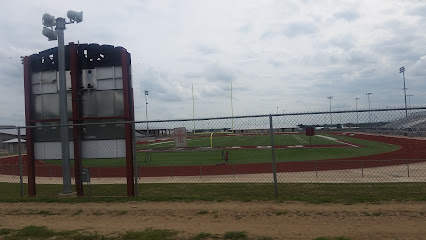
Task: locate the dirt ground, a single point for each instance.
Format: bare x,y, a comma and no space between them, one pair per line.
258,219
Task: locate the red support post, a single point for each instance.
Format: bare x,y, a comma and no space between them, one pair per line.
128,116
76,116
29,131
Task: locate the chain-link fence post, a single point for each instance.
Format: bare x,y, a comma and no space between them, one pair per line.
316,169
21,172
408,168
274,168
135,164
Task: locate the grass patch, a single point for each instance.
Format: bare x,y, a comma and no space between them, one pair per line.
279,213
347,193
235,235
5,231
46,213
7,154
332,238
36,232
202,236
121,213
376,214
98,213
149,234
33,232
39,233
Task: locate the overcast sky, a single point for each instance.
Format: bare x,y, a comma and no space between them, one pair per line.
285,54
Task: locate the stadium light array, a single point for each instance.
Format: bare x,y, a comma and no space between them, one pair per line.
49,22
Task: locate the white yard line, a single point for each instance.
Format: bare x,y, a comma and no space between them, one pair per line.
157,143
299,139
165,142
336,140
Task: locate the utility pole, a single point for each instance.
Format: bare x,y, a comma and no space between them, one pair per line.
402,70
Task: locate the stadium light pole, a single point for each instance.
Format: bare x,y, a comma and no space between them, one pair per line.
369,107
146,112
409,100
402,70
331,119
284,119
356,108
49,22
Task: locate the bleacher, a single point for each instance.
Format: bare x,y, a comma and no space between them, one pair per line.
414,121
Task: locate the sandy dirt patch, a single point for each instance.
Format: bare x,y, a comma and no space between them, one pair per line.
269,219
415,172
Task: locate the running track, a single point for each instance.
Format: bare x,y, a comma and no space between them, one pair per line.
412,150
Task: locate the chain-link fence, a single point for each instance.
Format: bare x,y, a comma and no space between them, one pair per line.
381,145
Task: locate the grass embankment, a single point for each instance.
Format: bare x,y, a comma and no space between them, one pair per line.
213,157
302,192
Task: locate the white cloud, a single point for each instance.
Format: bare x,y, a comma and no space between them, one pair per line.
348,15
288,53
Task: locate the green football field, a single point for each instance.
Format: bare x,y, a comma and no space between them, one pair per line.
199,153
244,140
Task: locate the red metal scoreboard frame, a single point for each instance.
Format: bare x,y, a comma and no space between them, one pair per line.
76,61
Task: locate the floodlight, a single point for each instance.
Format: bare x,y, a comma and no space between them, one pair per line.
75,16
48,20
50,34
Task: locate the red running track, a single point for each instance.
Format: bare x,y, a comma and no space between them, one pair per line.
411,150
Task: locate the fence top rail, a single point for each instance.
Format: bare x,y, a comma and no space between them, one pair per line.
8,127
231,117
284,114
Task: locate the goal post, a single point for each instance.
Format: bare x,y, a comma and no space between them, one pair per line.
193,114
211,132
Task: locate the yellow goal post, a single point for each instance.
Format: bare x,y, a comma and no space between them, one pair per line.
213,132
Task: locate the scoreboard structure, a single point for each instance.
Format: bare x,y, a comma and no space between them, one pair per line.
100,107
